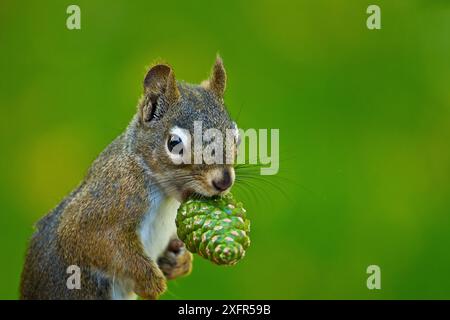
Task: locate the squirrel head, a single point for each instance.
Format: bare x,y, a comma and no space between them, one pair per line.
186,134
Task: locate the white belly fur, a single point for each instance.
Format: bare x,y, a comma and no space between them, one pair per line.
158,225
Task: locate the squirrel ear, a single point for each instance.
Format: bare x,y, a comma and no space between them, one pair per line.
159,81
218,79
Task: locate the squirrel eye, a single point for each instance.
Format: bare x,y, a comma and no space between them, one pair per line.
174,141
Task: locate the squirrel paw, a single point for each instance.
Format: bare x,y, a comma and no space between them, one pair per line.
176,261
153,287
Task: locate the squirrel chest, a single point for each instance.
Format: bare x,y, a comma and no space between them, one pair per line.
158,224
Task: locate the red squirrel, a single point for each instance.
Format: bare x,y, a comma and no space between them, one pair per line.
118,225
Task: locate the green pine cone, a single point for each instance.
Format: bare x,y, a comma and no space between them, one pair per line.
217,229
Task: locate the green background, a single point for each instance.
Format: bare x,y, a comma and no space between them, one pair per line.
364,123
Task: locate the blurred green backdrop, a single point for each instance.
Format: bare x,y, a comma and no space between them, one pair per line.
364,119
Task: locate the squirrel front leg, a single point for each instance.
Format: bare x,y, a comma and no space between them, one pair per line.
149,280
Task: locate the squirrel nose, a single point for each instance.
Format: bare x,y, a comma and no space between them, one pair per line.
225,182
